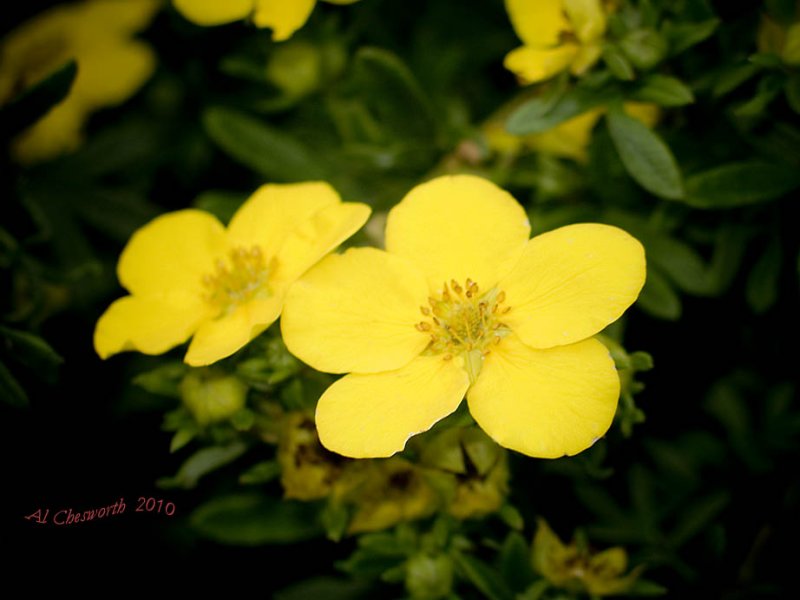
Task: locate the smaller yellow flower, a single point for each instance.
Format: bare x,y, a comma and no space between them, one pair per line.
557,35
212,397
284,17
578,570
188,275
384,493
308,471
463,302
112,65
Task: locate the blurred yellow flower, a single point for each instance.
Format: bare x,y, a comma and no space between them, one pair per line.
556,35
188,275
578,570
569,139
462,302
112,65
783,40
284,17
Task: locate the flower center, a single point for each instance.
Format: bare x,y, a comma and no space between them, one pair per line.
464,321
243,277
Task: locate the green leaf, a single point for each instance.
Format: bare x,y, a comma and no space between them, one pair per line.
260,473
768,89
645,48
11,391
658,298
483,577
202,463
164,380
664,91
740,184
646,157
515,562
252,519
539,115
697,516
732,77
265,149
792,92
682,36
618,63
645,587
763,282
182,437
31,351
36,101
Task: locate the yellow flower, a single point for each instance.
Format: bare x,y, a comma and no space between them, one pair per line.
284,17
557,35
384,493
98,34
462,302
188,276
576,569
783,40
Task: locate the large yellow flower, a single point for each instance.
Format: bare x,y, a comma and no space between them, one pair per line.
188,275
462,302
284,17
557,35
98,34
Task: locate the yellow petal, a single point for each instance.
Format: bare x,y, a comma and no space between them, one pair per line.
112,17
214,12
284,18
315,238
374,415
356,312
222,337
546,403
59,132
459,226
532,64
150,325
538,22
585,58
587,18
172,252
274,211
572,282
112,72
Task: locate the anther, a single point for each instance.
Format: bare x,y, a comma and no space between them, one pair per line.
500,297
423,326
425,310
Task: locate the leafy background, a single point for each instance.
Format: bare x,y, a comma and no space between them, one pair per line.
375,97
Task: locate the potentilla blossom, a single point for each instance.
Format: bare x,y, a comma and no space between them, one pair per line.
190,276
462,302
284,17
557,35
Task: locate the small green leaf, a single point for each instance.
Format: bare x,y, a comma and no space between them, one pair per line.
515,562
658,298
732,77
664,91
164,380
646,157
260,473
645,587
182,437
768,89
644,48
697,517
740,184
682,36
202,463
30,351
537,115
252,519
618,63
483,577
511,517
265,149
763,282
11,391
